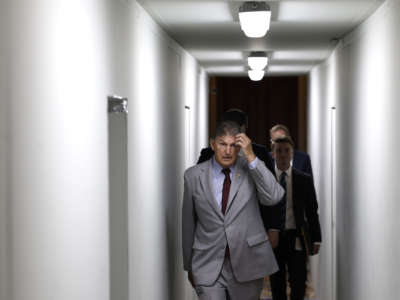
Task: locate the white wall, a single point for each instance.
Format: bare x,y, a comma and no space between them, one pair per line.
201,134
363,85
195,95
165,80
58,80
3,154
67,56
321,103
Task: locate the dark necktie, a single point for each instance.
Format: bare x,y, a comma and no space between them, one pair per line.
225,196
225,190
282,180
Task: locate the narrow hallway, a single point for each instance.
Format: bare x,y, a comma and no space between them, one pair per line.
83,220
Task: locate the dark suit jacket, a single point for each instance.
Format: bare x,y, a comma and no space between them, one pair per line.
305,206
302,162
271,221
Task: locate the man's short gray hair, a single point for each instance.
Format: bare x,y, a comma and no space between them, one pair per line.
280,127
281,140
225,128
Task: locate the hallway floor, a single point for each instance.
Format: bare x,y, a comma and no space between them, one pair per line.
266,292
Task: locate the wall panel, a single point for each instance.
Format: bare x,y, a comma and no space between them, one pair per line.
165,79
58,81
365,92
67,57
4,38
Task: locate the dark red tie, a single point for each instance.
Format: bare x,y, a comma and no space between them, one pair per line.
225,196
225,190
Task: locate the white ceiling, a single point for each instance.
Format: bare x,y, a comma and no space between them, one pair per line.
302,33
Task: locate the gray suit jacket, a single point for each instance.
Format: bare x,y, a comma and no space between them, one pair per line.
206,231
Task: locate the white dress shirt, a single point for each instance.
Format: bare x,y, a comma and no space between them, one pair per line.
290,222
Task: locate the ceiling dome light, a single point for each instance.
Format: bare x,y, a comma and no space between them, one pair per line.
254,18
257,60
256,75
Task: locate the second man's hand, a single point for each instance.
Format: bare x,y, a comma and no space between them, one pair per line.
273,236
244,142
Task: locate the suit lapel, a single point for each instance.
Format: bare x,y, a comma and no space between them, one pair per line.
295,193
205,180
237,180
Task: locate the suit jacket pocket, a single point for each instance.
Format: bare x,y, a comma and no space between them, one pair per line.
257,239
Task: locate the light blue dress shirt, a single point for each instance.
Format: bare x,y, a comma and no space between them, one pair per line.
217,180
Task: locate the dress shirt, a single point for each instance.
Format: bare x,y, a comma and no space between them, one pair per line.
290,222
218,178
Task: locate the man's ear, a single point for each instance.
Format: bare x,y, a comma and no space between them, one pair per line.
212,144
273,150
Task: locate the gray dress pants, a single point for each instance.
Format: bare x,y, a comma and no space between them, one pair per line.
226,283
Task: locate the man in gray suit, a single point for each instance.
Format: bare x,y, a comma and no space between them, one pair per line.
225,247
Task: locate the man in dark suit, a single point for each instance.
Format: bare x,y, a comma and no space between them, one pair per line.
301,234
301,160
273,222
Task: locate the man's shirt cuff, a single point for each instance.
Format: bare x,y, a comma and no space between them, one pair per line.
253,164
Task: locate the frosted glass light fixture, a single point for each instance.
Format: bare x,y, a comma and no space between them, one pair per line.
256,75
254,18
257,60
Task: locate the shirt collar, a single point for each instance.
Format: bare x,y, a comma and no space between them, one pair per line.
279,172
217,168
